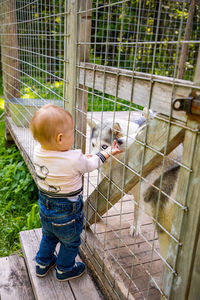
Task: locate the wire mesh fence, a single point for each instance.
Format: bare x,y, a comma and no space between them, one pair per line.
105,61
154,26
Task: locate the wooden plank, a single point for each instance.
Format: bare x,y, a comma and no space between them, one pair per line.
18,134
84,19
194,286
10,61
70,55
185,224
103,78
126,179
48,288
194,291
109,268
14,280
113,286
84,288
178,213
9,50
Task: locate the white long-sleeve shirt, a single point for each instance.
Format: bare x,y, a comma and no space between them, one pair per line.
61,171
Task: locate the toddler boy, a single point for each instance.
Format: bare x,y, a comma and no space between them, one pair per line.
59,176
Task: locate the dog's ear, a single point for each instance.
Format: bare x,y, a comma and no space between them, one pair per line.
117,131
92,124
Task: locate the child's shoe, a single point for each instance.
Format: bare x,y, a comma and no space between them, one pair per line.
42,271
77,271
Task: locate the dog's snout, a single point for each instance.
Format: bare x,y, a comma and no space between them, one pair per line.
119,141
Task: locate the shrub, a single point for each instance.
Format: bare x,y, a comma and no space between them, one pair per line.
18,198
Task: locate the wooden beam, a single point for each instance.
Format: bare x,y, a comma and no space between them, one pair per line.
78,21
22,148
195,278
10,61
103,78
84,19
185,226
93,250
185,257
70,55
122,176
9,51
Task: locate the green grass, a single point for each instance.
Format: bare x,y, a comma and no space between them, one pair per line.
18,196
97,101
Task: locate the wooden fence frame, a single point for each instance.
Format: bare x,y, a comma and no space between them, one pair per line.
185,283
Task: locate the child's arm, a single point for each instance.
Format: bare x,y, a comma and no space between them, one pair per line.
89,162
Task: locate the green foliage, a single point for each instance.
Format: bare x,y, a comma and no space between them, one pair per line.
1,87
97,101
18,199
115,28
41,89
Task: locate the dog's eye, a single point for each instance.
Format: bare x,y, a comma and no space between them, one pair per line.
104,147
93,144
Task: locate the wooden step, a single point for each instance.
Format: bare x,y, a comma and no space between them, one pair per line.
14,280
48,288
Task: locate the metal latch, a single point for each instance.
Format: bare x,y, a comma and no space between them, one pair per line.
191,105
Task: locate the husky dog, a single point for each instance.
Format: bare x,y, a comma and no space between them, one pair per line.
102,136
146,195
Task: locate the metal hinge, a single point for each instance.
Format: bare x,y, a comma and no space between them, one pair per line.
191,104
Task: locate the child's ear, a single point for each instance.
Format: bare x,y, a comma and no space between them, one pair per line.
59,138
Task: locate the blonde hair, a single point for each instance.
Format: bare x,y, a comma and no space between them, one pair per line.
48,122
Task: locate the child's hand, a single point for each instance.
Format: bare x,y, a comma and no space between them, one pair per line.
115,148
111,150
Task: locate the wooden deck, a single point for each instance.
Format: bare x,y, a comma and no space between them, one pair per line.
17,284
126,261
14,279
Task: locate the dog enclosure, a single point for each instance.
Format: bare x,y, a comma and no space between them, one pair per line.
108,60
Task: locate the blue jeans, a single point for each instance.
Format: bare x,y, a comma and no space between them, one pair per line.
62,221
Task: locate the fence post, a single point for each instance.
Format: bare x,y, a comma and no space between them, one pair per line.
10,62
70,55
84,19
77,36
184,257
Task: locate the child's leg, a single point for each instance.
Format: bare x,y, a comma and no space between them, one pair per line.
48,244
69,236
67,268
67,254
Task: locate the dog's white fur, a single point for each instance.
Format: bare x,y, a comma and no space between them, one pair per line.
144,194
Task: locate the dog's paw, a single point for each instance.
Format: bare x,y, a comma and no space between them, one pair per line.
134,231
